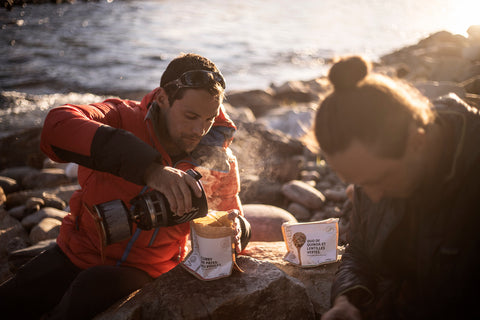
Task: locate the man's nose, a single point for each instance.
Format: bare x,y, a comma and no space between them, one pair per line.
199,129
374,194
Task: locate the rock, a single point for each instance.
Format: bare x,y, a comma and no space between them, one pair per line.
49,195
256,190
19,257
266,221
45,178
49,163
10,228
48,228
282,169
22,149
299,212
471,53
259,101
270,152
31,220
296,121
474,32
335,195
472,85
294,91
52,200
18,212
309,175
449,69
435,89
18,172
9,185
3,198
262,291
16,243
240,114
317,281
33,205
304,194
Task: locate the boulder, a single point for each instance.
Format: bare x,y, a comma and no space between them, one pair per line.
19,257
261,291
10,228
48,228
435,89
294,91
9,185
3,198
54,197
22,149
259,101
474,32
256,190
304,194
335,195
299,212
18,172
266,221
296,121
271,153
240,114
33,219
45,178
317,280
18,212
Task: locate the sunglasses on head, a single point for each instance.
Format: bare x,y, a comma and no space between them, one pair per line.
197,79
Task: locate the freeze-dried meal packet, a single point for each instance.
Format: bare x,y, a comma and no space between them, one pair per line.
213,248
310,244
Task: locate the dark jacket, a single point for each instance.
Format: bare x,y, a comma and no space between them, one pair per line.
419,258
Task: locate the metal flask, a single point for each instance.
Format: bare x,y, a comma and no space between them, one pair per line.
149,210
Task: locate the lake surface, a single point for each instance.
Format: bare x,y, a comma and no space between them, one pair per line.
114,46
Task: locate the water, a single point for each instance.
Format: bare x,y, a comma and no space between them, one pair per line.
116,46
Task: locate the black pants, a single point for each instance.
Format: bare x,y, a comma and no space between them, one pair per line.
53,287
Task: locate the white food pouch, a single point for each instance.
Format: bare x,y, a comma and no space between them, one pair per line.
213,249
311,244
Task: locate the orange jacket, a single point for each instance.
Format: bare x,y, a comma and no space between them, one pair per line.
113,143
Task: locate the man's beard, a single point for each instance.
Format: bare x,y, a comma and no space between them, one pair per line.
187,143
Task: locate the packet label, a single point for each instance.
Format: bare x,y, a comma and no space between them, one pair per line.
311,244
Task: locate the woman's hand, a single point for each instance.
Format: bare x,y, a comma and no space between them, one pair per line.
342,310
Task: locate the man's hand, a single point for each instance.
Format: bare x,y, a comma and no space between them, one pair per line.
175,185
233,215
342,310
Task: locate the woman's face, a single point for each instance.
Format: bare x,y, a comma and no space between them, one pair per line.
379,177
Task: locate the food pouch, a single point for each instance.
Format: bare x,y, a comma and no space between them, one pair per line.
310,244
213,249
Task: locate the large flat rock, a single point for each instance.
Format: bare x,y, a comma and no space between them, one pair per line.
268,288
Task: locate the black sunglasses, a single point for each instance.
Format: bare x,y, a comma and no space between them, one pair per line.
197,79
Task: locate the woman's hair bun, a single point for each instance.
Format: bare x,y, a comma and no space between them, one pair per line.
348,71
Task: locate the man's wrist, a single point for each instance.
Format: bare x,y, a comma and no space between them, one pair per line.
152,167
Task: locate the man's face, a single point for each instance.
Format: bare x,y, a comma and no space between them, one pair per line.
190,118
378,176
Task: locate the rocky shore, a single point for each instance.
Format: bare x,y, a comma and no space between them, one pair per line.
281,180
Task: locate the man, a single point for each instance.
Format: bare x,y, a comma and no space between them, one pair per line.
125,148
413,239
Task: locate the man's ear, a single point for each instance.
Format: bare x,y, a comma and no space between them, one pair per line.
416,139
162,98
